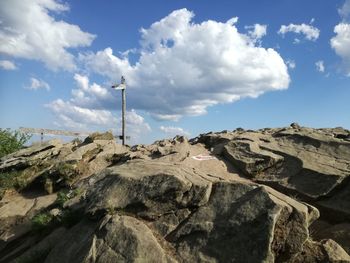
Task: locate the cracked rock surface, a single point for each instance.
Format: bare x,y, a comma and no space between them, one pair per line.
240,196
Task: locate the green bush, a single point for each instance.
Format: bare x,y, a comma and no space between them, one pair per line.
62,197
9,180
65,195
42,221
11,141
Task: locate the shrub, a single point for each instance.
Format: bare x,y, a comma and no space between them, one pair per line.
42,221
62,197
8,180
65,195
11,141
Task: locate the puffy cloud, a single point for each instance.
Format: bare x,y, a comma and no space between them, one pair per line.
257,31
136,126
89,95
105,63
174,130
83,111
68,111
36,84
29,30
296,41
320,66
310,32
291,64
344,11
7,65
184,67
341,43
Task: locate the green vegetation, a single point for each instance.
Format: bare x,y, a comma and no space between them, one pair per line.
62,197
42,221
9,180
11,141
65,195
67,172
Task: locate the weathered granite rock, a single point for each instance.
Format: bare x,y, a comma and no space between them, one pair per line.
28,156
202,219
31,251
324,251
147,188
16,212
339,232
215,198
112,239
99,136
310,163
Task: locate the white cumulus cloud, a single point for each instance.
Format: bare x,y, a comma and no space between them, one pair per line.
89,95
29,30
310,32
171,130
84,111
36,84
136,126
257,31
7,65
341,43
185,67
320,66
79,114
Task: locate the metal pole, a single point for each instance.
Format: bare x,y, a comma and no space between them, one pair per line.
123,114
122,86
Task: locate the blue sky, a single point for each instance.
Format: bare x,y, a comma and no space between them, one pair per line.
190,66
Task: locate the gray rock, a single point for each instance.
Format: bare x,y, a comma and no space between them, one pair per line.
337,232
218,216
99,136
306,162
29,156
114,239
161,203
295,125
147,188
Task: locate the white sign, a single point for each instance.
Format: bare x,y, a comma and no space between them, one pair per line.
202,157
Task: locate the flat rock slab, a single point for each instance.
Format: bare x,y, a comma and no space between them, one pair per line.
306,162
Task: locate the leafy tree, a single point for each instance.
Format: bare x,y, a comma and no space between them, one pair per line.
11,141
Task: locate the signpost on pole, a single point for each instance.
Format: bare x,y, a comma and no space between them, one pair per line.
122,87
42,132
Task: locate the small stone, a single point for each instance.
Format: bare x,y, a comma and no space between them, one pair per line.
48,186
55,212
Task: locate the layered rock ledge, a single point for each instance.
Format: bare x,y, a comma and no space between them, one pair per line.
271,195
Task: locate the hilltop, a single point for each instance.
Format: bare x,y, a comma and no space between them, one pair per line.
270,195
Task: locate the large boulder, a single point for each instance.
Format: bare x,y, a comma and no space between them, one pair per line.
144,211
313,164
99,136
113,239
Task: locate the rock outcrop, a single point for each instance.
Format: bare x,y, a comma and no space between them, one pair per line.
240,196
